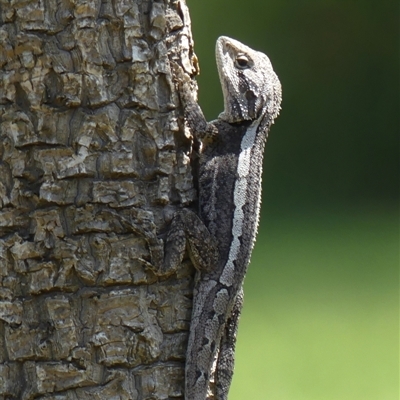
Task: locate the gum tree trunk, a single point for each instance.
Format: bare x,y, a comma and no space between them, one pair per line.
93,162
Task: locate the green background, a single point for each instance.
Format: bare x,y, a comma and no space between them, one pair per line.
320,320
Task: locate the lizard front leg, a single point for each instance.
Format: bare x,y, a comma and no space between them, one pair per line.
194,117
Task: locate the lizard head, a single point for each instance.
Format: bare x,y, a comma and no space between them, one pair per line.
250,86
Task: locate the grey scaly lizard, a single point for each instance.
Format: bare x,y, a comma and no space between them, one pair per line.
221,238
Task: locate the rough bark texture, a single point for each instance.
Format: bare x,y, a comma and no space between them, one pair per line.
93,163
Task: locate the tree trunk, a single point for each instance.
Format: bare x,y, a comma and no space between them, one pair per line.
93,162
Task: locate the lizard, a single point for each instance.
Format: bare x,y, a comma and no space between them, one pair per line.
220,238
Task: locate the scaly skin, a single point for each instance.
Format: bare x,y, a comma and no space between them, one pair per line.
222,239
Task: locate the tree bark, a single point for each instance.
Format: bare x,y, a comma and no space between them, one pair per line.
93,162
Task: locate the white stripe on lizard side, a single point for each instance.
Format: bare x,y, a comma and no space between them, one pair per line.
239,200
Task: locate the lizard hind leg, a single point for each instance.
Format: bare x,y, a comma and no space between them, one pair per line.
187,231
201,245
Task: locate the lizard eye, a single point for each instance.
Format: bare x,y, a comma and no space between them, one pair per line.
242,61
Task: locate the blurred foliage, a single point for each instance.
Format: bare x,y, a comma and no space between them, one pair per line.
320,319
321,298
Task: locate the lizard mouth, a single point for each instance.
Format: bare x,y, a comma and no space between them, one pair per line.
220,52
227,51
224,53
